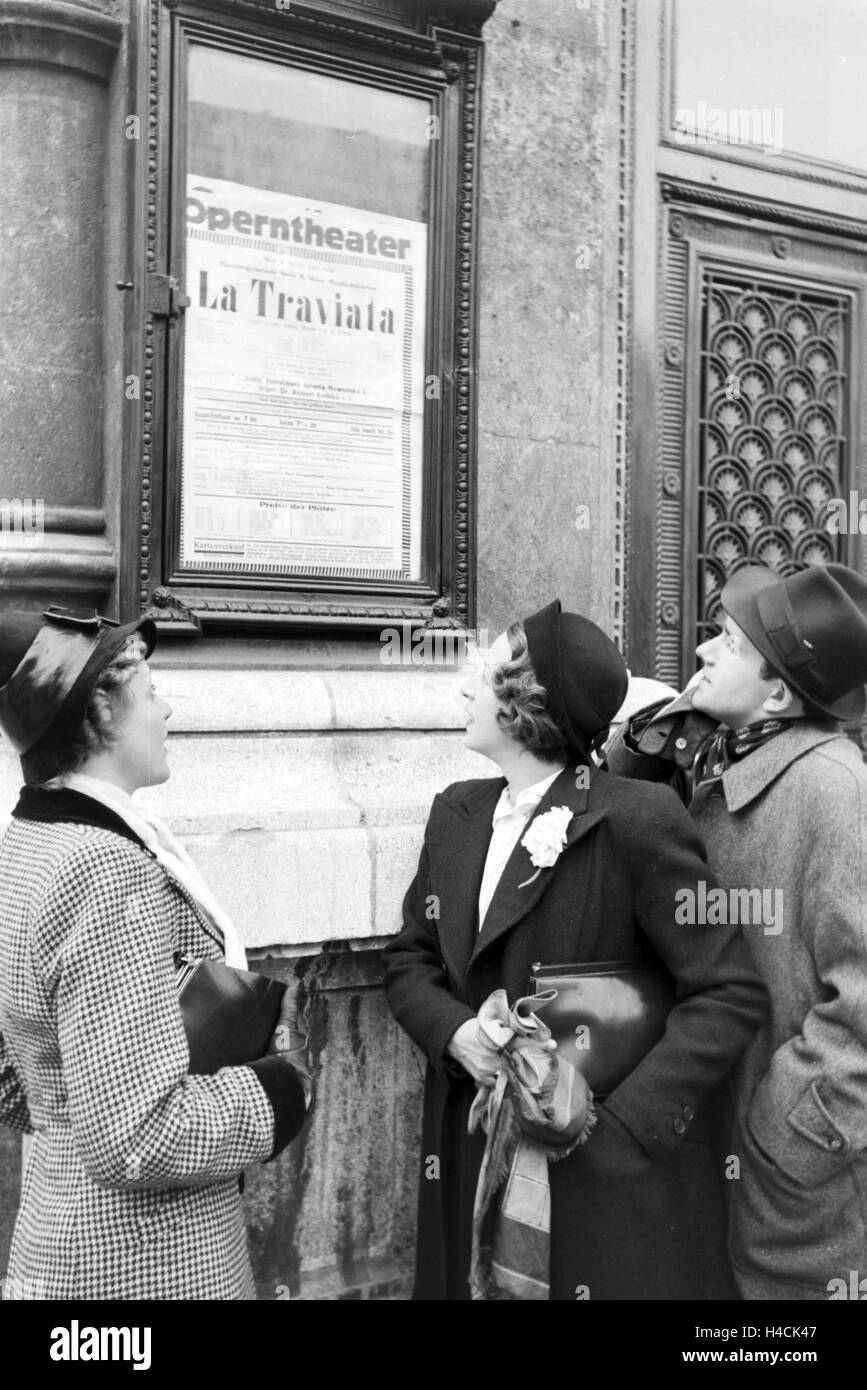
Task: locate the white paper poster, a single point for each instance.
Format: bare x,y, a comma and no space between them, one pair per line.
303,386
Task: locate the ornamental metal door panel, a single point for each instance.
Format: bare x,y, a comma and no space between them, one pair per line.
762,411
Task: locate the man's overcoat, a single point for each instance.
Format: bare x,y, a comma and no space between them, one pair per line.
789,821
640,1215
792,819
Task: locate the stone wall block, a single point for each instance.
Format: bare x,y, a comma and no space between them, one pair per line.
397,848
252,701
334,1215
290,888
395,777
404,698
259,782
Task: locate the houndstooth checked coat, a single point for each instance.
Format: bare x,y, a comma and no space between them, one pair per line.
131,1188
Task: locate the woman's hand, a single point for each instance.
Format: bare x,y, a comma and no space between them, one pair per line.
468,1047
289,1042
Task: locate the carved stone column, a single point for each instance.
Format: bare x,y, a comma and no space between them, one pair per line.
56,61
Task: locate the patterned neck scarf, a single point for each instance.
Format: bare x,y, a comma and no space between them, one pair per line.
728,746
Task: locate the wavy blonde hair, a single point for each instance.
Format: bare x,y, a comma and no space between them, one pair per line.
525,717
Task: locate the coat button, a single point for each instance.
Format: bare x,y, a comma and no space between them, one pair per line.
688,1113
835,1143
679,1126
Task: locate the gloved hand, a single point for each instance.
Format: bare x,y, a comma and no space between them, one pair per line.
475,1053
290,1042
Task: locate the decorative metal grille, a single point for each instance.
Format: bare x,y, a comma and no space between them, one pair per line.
773,431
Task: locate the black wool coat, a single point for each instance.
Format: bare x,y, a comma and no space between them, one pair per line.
638,1213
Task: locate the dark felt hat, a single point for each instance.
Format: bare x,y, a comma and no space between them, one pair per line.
582,671
811,627
49,664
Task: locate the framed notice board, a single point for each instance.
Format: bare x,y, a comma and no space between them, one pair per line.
308,314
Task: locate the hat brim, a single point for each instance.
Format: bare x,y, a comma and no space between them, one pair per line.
146,628
740,599
581,707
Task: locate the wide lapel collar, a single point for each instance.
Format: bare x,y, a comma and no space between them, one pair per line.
748,778
63,806
465,849
514,896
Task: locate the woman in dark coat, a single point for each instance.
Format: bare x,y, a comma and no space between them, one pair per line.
637,1211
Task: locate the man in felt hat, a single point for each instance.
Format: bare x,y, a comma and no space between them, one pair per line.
557,862
780,795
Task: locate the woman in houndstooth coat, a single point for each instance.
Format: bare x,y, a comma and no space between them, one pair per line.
131,1187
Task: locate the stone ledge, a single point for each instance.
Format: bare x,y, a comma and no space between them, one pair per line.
40,568
209,701
229,782
296,887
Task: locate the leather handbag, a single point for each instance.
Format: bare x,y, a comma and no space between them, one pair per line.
229,1015
607,1015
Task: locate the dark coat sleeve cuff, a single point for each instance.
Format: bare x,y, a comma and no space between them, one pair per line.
440,1035
285,1090
625,760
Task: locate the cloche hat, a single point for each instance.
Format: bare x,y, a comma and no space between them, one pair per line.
582,671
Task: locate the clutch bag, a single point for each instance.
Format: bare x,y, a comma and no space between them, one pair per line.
229,1015
606,1017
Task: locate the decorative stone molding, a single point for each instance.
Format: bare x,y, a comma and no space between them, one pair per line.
682,191
53,565
59,33
623,429
166,609
68,552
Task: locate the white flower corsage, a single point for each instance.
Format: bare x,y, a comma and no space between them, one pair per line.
545,840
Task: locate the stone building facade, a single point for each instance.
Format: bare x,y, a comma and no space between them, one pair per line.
303,766
302,770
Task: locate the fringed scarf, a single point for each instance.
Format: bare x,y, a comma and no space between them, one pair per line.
539,1109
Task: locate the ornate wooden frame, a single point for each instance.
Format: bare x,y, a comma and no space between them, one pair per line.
435,50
